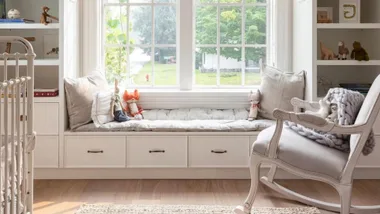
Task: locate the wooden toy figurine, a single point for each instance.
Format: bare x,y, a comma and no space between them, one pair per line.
45,15
326,53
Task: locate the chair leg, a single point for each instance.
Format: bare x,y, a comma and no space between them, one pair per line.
345,199
255,173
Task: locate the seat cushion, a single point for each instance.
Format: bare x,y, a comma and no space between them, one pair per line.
303,153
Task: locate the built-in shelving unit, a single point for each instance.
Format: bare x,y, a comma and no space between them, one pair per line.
309,34
31,26
321,75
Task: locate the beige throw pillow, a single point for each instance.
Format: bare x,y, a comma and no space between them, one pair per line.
278,88
79,97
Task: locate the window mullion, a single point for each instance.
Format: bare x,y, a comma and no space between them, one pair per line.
185,45
218,47
152,47
243,43
128,46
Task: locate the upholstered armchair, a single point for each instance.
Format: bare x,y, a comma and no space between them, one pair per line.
281,147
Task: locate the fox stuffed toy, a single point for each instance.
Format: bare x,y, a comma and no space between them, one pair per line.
131,99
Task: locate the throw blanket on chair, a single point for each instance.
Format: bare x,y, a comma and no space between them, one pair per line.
348,105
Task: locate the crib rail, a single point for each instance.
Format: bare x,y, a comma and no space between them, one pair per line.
16,126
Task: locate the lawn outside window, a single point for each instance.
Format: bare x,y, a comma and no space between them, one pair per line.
187,44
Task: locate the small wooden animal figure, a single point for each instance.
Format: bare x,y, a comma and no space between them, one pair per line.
45,15
343,51
326,54
359,53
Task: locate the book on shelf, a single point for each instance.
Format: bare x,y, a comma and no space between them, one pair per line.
16,21
46,92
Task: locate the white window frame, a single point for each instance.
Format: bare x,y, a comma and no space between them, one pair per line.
279,48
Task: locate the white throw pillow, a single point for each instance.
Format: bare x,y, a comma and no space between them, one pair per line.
278,88
101,108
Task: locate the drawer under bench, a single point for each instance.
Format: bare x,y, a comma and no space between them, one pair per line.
138,151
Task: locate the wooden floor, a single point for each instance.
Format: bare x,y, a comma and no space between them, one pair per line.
65,196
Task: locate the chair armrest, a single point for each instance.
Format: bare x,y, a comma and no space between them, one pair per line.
318,123
298,104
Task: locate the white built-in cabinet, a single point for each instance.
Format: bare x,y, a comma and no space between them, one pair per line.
49,69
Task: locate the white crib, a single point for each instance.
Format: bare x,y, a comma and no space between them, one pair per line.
16,126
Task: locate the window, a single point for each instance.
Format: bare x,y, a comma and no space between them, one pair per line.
141,41
230,39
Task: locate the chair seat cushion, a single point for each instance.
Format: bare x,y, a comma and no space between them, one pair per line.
303,153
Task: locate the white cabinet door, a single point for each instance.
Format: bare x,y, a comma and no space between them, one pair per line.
46,152
46,118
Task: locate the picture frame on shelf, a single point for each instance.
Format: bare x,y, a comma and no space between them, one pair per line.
325,15
349,11
51,46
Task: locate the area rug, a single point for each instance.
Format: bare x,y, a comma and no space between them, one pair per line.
184,209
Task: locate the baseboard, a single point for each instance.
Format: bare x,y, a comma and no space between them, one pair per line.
360,173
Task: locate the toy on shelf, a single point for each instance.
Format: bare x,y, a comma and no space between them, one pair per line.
13,14
326,54
45,15
254,98
343,51
132,108
359,53
117,111
324,15
9,45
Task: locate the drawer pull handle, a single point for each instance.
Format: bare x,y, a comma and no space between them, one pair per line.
156,151
95,152
219,151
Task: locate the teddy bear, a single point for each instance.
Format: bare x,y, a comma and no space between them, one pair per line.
254,98
359,53
132,108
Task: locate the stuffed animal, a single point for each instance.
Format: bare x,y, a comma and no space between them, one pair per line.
324,110
117,111
326,54
343,51
359,53
254,98
132,108
333,117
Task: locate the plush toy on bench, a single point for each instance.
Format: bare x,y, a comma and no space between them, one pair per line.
254,97
132,108
117,111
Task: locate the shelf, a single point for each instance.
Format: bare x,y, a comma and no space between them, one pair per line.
349,26
20,26
349,62
38,62
41,99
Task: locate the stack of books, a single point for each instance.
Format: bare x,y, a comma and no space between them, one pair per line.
360,87
16,21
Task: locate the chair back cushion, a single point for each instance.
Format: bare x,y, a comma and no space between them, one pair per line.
367,111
